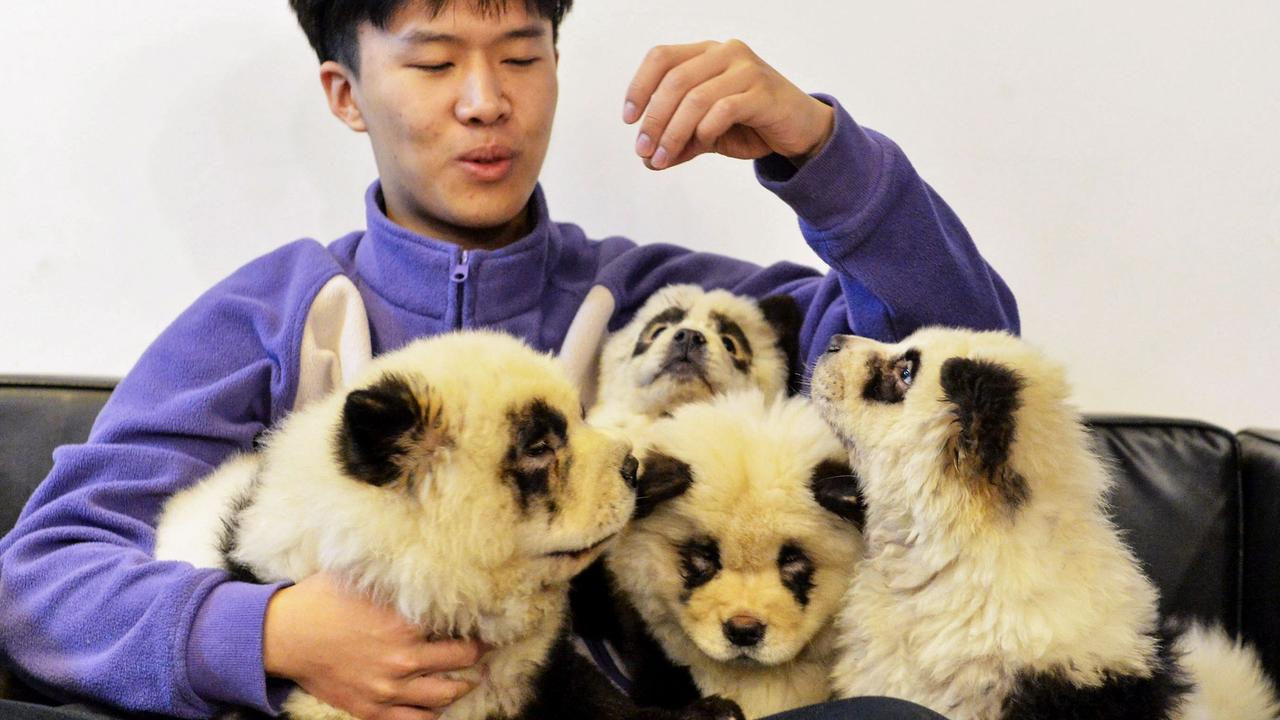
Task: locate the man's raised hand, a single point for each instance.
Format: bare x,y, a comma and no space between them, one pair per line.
722,98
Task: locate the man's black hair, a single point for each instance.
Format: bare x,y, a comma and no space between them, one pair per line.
331,25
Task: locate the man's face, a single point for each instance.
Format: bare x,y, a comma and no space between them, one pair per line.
459,110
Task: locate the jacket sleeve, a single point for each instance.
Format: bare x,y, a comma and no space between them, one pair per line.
900,254
900,259
85,611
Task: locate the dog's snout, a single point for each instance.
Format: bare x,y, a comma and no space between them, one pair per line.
629,468
689,339
744,630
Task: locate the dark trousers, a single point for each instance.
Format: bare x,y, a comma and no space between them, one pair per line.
863,708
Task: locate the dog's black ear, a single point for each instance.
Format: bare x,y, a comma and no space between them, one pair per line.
381,426
985,396
783,314
662,478
835,487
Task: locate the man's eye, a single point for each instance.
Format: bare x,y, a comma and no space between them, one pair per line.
433,68
523,62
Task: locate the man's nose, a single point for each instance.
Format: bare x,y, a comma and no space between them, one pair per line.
481,99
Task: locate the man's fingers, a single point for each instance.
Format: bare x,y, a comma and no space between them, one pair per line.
432,692
404,712
672,91
445,655
656,63
687,119
713,128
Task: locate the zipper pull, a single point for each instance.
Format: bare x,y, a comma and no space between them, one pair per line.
461,270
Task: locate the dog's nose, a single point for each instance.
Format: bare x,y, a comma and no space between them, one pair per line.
744,630
688,339
838,342
629,468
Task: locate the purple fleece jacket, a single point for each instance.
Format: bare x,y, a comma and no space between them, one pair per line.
85,610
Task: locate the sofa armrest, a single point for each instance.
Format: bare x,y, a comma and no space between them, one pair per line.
38,414
1260,598
1177,502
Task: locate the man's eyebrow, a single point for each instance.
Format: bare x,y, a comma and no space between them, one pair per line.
424,37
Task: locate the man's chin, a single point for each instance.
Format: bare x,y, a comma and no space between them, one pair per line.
498,223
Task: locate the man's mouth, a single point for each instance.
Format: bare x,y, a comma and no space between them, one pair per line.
489,163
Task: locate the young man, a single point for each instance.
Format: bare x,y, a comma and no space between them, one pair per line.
457,98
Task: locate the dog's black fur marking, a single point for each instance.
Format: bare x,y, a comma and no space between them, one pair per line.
796,570
670,316
699,563
726,326
601,611
835,487
228,538
538,433
883,382
1050,695
569,687
986,396
783,313
662,478
377,430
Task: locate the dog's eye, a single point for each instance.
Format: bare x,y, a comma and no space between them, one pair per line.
654,333
792,562
541,448
730,345
906,375
700,562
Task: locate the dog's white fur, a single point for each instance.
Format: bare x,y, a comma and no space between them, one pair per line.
633,389
446,544
960,590
752,463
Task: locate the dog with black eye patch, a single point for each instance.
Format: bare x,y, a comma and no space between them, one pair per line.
456,482
728,579
994,585
686,344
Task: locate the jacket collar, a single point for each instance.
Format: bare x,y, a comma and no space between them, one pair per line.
417,272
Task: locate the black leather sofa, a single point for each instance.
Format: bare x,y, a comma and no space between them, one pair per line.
1199,504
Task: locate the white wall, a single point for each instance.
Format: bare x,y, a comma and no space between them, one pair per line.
1119,163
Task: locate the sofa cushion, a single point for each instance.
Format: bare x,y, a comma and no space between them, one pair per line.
1260,601
1177,500
37,415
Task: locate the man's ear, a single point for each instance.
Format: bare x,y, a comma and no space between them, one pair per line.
783,314
835,487
662,478
340,90
390,431
985,396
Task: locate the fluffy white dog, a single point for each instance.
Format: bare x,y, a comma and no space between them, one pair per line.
687,344
741,551
995,586
456,482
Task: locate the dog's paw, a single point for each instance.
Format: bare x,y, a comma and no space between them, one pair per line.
713,708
